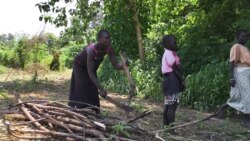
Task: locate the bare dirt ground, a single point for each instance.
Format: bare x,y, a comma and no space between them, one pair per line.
55,86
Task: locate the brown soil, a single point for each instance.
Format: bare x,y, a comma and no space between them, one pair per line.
55,86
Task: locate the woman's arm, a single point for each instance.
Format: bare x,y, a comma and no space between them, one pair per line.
90,67
113,60
231,69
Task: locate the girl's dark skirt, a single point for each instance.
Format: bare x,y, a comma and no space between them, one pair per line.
171,87
81,88
171,84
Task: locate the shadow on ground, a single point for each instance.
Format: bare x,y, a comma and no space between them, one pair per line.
31,90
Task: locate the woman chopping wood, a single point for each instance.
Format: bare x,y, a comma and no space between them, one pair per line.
84,83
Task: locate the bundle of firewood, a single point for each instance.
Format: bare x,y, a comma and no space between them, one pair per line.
43,119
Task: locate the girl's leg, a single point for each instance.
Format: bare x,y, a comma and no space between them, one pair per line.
171,116
165,116
171,112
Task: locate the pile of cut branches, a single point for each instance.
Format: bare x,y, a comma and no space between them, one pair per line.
46,120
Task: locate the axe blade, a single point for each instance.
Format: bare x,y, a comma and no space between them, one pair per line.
120,105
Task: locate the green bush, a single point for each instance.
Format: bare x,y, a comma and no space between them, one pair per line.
3,69
207,88
8,58
146,77
69,52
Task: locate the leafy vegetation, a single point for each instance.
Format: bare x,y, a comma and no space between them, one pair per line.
121,129
207,88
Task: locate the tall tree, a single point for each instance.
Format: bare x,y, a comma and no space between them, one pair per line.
132,5
120,17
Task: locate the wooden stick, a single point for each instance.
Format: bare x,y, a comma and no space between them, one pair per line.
187,124
87,131
158,137
50,118
2,112
55,113
27,137
76,128
72,121
129,76
142,115
58,134
94,114
27,114
15,116
178,138
37,101
87,123
11,133
62,110
25,123
123,139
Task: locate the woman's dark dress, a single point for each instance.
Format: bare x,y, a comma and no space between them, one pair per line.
82,88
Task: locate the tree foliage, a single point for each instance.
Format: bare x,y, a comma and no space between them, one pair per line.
205,31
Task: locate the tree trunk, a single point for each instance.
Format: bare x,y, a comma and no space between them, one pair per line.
132,6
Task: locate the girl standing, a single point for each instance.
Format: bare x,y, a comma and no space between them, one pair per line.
172,79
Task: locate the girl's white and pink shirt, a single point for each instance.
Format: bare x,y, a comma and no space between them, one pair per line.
168,60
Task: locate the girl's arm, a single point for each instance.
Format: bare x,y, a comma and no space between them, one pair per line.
178,72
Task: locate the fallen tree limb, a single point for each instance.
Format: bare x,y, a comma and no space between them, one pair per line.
189,123
129,76
142,115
